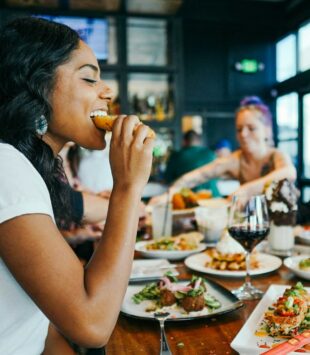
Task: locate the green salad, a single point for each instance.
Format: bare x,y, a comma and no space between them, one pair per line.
305,264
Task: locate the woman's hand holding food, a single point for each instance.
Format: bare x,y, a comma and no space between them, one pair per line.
130,153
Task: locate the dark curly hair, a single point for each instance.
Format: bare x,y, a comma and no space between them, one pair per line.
31,49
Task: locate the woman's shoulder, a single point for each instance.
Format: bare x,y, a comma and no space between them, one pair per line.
236,154
16,166
279,156
23,190
12,159
7,150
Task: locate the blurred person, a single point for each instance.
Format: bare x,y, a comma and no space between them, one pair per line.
94,169
223,148
80,235
256,163
191,156
49,87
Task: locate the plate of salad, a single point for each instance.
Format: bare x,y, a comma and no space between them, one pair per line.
184,300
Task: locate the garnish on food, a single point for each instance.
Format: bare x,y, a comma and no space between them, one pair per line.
167,292
185,241
304,264
290,314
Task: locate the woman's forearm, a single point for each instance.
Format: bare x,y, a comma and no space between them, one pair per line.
201,175
113,256
256,187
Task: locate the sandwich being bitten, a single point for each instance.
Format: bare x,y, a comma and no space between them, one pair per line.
104,121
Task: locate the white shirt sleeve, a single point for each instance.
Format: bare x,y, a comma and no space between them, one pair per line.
22,189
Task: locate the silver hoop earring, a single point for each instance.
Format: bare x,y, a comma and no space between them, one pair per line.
41,125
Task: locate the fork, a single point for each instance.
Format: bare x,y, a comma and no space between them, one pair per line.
164,347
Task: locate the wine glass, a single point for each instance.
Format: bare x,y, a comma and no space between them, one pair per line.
248,224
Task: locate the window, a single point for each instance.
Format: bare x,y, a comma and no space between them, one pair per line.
287,122
286,58
112,41
94,31
306,194
306,132
110,79
287,116
147,42
304,47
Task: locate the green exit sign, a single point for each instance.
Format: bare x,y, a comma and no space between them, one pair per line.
249,66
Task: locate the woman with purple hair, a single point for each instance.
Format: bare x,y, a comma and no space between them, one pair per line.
255,163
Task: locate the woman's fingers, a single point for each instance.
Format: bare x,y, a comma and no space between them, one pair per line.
128,126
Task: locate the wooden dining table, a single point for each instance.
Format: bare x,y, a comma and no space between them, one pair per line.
203,336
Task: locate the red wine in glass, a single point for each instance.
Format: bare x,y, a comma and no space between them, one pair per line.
248,237
248,224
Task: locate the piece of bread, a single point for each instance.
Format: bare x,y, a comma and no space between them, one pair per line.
106,123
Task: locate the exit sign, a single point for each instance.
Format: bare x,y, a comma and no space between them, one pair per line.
249,66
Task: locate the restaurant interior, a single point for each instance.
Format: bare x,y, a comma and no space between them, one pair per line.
182,65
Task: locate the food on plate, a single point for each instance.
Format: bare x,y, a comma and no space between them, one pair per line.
104,121
289,314
185,241
305,264
204,194
185,198
229,255
168,292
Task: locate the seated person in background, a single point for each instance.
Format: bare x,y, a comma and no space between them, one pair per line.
86,205
223,148
80,235
96,161
191,156
254,164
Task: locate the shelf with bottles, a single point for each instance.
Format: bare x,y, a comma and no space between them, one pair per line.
151,96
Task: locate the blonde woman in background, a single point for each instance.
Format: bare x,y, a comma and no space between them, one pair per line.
254,164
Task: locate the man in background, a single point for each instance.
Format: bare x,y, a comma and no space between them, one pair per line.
223,148
192,155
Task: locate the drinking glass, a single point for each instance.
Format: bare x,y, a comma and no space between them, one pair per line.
248,224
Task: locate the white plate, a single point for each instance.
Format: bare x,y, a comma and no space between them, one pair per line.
209,202
214,202
302,235
143,270
166,254
293,264
229,302
186,211
267,263
297,250
246,342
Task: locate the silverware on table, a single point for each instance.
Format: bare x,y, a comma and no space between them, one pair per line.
164,347
146,270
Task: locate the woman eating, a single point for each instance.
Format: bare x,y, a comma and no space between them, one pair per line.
50,87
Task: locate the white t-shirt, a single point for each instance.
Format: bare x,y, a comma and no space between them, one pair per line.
95,169
23,327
